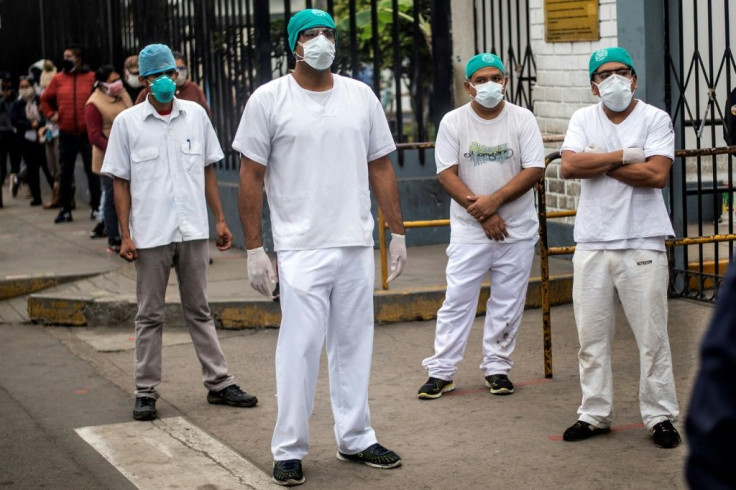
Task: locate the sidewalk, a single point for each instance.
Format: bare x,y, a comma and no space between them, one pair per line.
66,278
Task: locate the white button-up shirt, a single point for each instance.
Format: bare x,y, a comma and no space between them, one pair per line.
164,158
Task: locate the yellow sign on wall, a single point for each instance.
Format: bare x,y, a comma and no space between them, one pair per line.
567,20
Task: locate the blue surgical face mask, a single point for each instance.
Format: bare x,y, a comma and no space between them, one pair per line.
163,89
488,94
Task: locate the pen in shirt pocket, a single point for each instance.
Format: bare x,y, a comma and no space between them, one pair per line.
190,143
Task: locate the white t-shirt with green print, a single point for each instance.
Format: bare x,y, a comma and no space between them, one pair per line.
488,155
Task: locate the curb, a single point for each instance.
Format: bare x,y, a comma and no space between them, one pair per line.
389,306
12,286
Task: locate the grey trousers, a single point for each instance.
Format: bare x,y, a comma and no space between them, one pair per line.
153,266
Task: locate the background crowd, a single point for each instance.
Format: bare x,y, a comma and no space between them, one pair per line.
52,115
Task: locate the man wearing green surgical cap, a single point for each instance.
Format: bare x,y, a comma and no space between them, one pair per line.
489,155
622,150
319,142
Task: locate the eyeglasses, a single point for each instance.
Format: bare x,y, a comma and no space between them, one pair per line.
313,33
623,72
180,68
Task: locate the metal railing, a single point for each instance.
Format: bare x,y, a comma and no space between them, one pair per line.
545,251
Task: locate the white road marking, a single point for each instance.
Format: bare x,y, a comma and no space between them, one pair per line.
172,453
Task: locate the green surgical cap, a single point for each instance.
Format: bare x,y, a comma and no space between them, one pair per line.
608,55
481,61
155,58
306,19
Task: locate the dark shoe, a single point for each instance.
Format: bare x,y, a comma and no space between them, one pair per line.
145,408
500,384
98,231
36,202
288,473
434,388
63,217
583,430
233,396
665,435
376,456
94,215
276,293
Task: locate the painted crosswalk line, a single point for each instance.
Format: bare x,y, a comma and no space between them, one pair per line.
172,453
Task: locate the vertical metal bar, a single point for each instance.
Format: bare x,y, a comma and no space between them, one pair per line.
728,108
43,32
475,26
399,116
375,49
696,46
287,15
417,75
353,39
492,21
485,28
262,21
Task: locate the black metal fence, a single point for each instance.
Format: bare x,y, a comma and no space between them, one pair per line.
502,28
700,70
402,48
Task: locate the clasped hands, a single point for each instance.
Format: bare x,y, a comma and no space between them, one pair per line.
485,210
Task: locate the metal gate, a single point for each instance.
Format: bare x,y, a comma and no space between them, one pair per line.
502,28
700,75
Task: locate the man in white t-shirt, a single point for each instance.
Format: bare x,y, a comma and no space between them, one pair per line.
318,140
622,150
489,155
160,155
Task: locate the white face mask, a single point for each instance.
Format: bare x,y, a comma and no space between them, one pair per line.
615,92
488,94
181,78
319,53
132,80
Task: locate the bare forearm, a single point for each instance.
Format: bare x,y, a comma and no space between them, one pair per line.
589,165
121,193
653,173
520,184
212,194
455,187
250,202
385,187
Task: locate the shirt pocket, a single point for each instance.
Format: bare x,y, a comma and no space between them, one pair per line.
193,160
145,163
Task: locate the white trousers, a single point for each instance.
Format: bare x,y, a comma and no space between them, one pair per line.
325,293
640,277
468,263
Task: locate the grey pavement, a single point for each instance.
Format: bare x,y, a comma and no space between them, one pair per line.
56,380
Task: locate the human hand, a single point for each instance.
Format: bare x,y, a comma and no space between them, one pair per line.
260,272
54,118
128,250
633,155
224,238
482,207
495,228
397,252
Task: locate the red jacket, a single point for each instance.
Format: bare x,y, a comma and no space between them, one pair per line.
67,94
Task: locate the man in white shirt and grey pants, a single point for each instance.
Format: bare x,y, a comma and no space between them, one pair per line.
160,154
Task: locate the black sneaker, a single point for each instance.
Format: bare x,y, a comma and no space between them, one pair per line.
98,231
434,388
63,217
288,473
376,456
500,384
145,408
665,435
14,184
582,430
232,395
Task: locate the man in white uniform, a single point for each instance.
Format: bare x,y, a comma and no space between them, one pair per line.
318,140
622,149
160,154
489,155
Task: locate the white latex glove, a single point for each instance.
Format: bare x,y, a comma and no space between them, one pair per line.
634,155
397,252
592,148
260,272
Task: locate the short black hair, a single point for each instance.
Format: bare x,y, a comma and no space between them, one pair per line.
77,50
